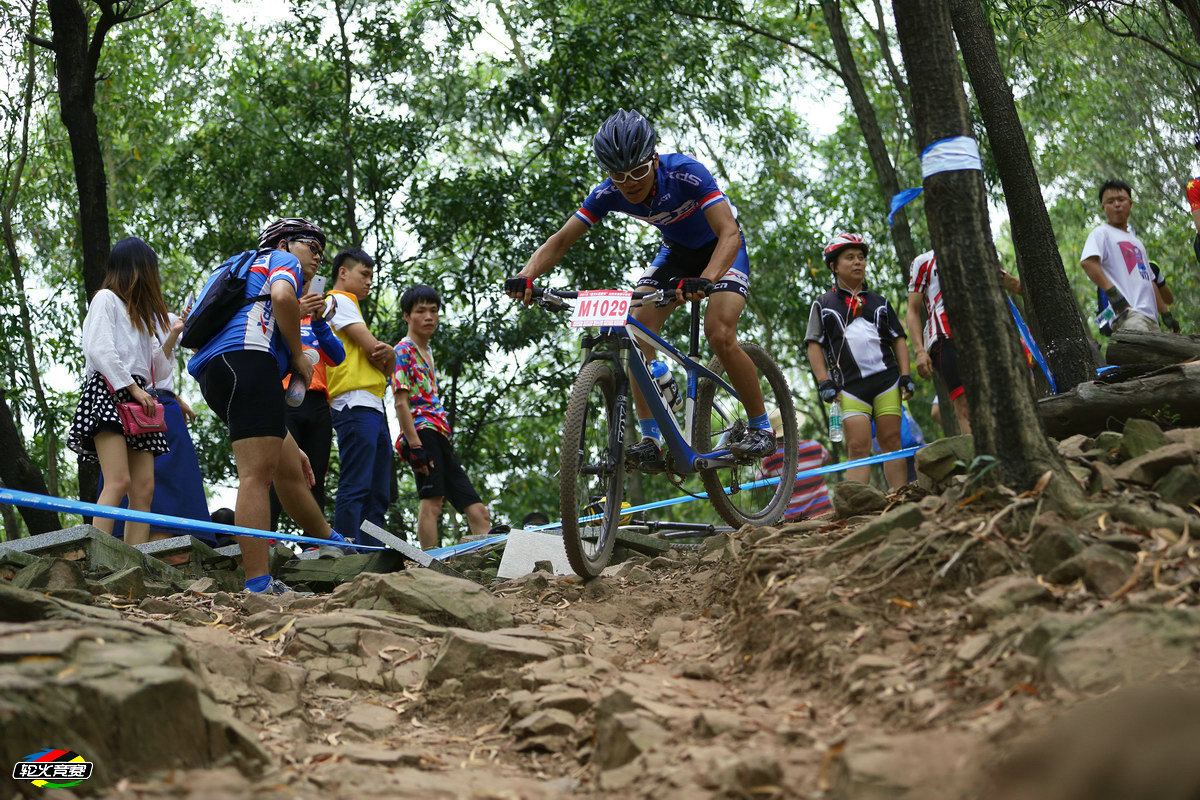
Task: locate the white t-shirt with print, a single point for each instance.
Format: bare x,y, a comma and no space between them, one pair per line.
1124,261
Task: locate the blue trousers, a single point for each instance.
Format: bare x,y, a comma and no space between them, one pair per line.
365,453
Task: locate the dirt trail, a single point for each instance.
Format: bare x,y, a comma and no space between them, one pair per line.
896,653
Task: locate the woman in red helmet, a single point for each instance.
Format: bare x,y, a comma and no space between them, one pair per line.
859,352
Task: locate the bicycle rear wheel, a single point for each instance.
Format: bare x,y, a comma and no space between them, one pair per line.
719,417
592,470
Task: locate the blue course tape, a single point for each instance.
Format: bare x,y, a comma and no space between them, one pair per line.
839,467
1027,337
466,547
31,500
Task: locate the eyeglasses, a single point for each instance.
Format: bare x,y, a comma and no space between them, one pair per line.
313,246
635,174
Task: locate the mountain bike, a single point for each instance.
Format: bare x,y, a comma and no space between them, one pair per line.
592,457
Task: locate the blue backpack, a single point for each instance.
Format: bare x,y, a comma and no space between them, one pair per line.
213,310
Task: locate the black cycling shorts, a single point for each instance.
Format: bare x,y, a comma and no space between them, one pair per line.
446,478
245,391
945,359
675,262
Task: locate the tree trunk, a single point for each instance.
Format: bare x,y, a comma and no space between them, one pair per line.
76,58
17,471
1169,396
11,194
864,112
1003,415
1146,347
1047,291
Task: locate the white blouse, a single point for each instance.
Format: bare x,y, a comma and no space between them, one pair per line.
116,349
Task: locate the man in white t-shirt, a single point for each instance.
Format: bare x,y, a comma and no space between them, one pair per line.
1116,261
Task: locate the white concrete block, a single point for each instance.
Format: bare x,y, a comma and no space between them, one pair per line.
524,548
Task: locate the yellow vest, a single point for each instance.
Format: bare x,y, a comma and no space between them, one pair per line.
357,371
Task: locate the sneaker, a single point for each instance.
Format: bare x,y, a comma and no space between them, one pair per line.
332,550
755,443
277,586
646,456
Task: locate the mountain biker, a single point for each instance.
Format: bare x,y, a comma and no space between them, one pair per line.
703,254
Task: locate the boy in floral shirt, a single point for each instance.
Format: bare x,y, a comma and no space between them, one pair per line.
424,426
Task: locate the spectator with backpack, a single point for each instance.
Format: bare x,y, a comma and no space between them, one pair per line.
240,368
119,422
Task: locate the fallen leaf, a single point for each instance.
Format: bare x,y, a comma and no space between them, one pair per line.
282,630
827,761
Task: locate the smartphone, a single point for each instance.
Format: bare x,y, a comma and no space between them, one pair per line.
317,285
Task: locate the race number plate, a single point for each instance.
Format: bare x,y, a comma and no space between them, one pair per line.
601,308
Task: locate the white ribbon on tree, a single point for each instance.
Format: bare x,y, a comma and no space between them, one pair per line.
944,155
948,155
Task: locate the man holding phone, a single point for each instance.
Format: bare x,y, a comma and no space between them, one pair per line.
310,422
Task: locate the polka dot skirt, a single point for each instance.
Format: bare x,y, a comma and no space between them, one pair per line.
97,412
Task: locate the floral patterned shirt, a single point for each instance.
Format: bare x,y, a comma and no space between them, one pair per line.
417,377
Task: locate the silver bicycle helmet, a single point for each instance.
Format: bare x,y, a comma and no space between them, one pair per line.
624,141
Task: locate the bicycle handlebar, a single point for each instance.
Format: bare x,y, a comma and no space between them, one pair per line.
558,295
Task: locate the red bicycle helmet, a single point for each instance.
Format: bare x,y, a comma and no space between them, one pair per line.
840,242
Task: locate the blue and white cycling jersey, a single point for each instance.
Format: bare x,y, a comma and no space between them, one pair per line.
253,326
683,189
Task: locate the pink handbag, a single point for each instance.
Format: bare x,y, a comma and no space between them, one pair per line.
134,419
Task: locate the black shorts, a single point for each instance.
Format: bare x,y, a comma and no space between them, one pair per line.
447,478
245,391
675,262
946,361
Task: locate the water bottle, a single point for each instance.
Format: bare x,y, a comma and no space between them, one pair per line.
835,421
666,384
295,391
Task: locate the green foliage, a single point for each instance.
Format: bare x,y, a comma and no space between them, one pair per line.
451,139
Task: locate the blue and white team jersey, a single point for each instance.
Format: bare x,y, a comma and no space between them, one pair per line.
253,325
684,188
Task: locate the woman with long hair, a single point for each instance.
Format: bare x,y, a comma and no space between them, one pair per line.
122,360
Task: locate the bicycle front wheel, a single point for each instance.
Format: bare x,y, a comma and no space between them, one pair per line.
592,470
741,493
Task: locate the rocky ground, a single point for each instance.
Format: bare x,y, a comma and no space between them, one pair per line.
949,642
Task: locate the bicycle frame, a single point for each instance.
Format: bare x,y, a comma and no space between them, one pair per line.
623,340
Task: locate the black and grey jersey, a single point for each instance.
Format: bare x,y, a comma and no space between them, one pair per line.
856,332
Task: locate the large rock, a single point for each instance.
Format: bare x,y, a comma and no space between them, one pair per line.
129,700
467,655
98,553
1106,649
905,765
1149,467
622,737
1139,437
1135,743
1103,568
902,517
434,597
1053,543
1004,595
1181,486
942,458
851,498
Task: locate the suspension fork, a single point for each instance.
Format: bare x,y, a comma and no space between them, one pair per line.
616,434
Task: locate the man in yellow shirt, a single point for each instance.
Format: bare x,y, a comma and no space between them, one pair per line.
356,388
